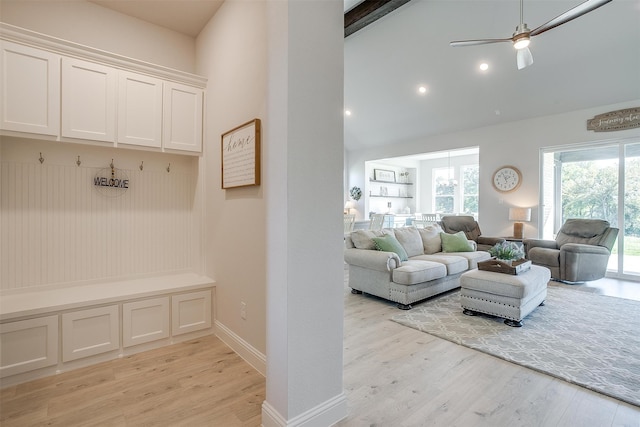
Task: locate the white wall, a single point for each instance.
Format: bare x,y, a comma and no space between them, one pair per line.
58,228
91,25
516,143
235,63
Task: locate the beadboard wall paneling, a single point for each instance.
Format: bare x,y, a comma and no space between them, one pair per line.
56,227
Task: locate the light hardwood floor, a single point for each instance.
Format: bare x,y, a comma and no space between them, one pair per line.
394,376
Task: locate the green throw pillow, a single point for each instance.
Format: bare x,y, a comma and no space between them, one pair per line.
388,243
455,242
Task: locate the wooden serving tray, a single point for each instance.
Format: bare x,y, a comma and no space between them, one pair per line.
516,267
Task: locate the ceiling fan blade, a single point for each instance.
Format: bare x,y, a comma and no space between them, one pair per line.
523,58
569,15
462,43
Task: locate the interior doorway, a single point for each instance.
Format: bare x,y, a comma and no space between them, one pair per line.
442,182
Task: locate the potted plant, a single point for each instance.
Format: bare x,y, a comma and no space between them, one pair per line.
507,252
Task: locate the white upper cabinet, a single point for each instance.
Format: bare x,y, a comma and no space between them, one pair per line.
88,100
139,110
182,124
68,91
29,89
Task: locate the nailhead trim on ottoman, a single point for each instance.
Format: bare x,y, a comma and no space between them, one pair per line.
504,295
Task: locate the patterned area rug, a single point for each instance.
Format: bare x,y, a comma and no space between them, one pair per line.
586,339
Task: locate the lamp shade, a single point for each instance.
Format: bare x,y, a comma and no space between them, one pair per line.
350,204
519,214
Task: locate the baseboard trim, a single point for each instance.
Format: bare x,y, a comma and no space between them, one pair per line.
252,356
326,414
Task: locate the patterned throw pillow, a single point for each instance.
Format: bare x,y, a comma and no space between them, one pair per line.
388,243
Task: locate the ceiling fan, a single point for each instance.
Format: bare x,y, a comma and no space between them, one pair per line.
523,34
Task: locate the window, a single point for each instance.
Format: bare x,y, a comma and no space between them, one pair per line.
470,175
596,181
444,190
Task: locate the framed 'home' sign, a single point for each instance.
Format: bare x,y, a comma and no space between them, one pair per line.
241,155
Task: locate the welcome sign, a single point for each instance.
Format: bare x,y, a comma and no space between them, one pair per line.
111,181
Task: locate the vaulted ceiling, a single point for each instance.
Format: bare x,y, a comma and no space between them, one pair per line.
589,62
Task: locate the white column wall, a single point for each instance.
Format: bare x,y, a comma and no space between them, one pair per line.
303,189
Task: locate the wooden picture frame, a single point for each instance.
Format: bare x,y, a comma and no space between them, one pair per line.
240,155
384,175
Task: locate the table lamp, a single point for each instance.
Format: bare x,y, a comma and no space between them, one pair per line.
519,214
349,205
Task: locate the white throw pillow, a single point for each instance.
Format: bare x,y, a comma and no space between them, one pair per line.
363,239
410,240
431,240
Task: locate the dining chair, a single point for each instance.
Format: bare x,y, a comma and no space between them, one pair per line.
377,221
349,221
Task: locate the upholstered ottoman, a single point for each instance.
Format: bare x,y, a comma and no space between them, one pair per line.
511,297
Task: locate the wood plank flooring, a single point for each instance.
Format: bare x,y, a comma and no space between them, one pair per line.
394,376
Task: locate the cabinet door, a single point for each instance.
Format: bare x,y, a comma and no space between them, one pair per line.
88,100
145,321
90,332
28,344
29,90
139,110
182,121
190,312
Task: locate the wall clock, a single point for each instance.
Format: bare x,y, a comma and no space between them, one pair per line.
507,178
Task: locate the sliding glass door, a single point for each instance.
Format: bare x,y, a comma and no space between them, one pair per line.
596,181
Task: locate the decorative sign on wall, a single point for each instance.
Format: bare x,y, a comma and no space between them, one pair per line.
111,181
628,118
241,155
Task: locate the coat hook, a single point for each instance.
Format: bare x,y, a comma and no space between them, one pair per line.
169,168
141,165
41,159
111,165
78,162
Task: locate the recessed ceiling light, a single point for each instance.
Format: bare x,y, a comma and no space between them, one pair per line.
422,90
347,112
484,66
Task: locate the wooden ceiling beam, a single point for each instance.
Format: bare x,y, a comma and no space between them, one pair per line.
368,12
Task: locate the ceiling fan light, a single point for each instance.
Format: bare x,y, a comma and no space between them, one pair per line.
521,43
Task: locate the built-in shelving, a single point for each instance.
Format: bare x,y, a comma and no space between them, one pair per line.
391,182
391,197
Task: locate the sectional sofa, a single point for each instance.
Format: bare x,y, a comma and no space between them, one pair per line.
408,264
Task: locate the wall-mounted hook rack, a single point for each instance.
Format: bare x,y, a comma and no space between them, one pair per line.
169,168
41,159
78,162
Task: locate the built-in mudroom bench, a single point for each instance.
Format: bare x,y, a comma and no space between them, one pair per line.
51,330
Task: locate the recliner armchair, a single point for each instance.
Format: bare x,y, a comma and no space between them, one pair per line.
454,223
579,253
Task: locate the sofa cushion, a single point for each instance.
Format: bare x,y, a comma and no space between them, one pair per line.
363,239
413,272
474,257
455,242
410,239
454,264
389,243
431,241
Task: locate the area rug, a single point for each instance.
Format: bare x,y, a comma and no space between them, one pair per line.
585,339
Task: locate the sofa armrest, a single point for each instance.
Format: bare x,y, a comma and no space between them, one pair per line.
482,240
374,260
